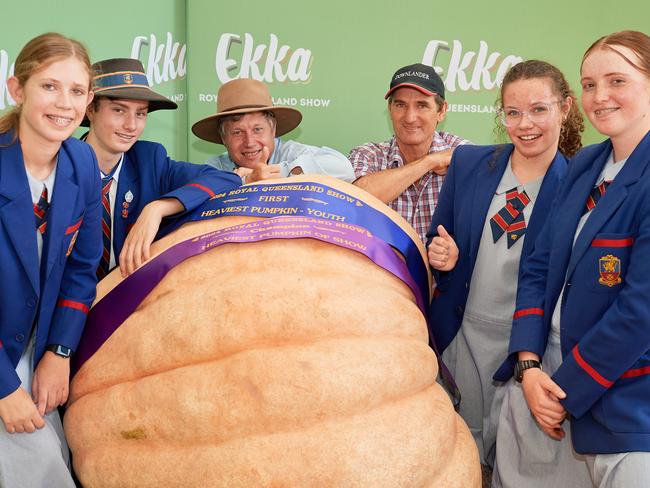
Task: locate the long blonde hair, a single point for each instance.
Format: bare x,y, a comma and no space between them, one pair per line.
37,54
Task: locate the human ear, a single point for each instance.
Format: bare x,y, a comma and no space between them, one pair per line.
90,109
442,112
566,107
15,89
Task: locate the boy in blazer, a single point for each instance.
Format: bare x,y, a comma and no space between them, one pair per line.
140,184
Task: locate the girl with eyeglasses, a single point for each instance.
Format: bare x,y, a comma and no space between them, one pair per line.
492,206
583,304
50,244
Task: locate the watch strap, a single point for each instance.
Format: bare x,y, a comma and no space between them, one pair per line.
59,350
522,366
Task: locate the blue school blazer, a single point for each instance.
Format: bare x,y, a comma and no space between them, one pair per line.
148,174
465,198
55,297
605,311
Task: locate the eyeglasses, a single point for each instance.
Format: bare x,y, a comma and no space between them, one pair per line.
539,113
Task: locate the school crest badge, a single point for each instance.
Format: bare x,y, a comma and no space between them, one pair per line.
128,79
609,267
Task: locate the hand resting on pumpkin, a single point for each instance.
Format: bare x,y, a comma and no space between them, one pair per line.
137,246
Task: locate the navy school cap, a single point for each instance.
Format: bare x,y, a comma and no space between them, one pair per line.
420,77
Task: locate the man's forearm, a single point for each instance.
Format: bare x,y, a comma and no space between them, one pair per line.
388,184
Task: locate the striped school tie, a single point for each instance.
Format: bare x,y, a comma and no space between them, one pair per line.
105,262
510,219
40,211
596,194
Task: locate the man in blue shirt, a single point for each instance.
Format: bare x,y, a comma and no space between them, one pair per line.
249,125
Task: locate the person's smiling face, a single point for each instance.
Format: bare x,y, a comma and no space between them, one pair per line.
535,115
615,95
415,117
115,125
246,138
53,101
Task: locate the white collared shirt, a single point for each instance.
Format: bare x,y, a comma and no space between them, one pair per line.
36,188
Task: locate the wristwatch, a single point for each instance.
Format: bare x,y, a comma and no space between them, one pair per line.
522,366
59,350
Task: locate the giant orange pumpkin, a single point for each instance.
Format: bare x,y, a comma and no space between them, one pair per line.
286,363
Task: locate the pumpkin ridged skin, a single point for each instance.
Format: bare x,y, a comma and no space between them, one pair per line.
395,445
261,391
289,363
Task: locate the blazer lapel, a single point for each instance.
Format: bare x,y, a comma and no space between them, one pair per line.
485,186
127,182
61,210
18,213
543,202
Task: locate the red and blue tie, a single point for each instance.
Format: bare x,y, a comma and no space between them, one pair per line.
40,211
596,194
510,219
105,262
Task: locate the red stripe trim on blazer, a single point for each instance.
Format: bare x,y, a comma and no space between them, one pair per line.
527,311
613,242
590,370
633,373
72,304
201,187
74,227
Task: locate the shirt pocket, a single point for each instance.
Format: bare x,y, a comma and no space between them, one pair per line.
607,262
70,237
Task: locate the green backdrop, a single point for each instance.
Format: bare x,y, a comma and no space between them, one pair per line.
115,29
331,60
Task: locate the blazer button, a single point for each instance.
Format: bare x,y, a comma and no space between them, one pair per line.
31,303
20,337
459,311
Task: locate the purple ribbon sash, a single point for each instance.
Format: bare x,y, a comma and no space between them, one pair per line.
316,200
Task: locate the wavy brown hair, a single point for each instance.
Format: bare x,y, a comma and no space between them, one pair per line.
38,54
573,125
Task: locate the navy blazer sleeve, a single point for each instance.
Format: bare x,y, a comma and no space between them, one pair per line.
79,280
529,331
530,327
191,184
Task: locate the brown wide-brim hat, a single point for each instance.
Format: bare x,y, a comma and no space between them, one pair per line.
243,96
125,78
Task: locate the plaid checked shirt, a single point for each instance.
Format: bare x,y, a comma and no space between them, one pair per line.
418,201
